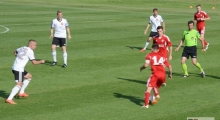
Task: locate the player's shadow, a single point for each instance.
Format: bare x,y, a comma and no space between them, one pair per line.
133,80
134,47
3,94
133,99
48,62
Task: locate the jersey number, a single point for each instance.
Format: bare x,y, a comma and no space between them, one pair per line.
158,62
22,52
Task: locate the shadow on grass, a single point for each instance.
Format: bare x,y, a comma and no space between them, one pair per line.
133,80
3,94
48,62
138,48
133,99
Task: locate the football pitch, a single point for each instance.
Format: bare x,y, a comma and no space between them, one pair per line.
102,80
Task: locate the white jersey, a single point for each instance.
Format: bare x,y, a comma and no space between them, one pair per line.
155,21
59,27
24,54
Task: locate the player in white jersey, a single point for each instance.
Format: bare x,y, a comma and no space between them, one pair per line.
23,55
156,21
59,26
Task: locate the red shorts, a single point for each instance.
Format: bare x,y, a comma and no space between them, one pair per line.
156,80
201,29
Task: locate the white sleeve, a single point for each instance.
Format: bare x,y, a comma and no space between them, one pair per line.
161,19
66,24
149,21
31,55
52,24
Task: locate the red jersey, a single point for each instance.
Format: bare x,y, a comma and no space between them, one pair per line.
198,16
163,42
157,62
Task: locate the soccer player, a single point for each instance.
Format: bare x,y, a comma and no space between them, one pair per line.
158,75
190,38
60,26
200,17
23,55
164,43
156,21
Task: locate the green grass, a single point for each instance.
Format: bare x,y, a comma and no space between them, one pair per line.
102,80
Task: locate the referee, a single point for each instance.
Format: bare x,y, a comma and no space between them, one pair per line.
190,38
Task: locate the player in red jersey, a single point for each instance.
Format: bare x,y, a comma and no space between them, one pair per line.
200,17
164,43
158,75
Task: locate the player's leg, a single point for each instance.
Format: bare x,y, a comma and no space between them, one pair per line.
150,85
27,80
185,56
152,34
194,61
19,76
63,44
202,34
55,42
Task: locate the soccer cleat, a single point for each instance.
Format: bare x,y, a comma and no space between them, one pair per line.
203,74
145,106
64,65
164,85
53,63
23,95
142,50
10,101
185,76
207,46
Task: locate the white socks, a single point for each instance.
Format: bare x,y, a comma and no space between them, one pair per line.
65,57
147,43
24,86
14,92
54,54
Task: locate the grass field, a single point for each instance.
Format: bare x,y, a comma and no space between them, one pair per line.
102,80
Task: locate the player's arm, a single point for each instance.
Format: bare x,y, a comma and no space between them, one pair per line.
36,62
171,52
180,44
145,31
68,32
51,32
145,65
206,17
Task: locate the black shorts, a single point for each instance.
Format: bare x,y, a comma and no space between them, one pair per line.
59,41
19,76
152,34
190,51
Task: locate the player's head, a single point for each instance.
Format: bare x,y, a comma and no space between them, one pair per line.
160,30
155,11
32,44
59,14
198,7
190,24
155,47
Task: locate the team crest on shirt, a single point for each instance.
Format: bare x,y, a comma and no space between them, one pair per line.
192,38
156,19
61,23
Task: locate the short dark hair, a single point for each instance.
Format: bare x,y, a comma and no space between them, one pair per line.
155,9
159,27
155,46
191,22
59,11
198,5
32,40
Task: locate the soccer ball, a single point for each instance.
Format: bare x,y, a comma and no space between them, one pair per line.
152,100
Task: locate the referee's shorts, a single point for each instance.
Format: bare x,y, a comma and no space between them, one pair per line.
190,51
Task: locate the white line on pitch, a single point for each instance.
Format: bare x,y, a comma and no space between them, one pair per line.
7,29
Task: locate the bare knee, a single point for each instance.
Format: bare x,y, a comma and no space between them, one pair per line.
53,47
28,76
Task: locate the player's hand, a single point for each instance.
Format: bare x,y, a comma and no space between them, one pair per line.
69,37
145,32
177,49
51,36
203,50
170,58
42,61
170,76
